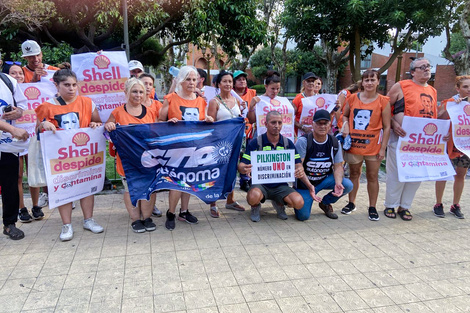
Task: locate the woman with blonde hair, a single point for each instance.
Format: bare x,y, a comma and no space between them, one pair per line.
183,105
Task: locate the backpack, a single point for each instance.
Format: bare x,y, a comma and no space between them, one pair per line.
9,84
310,143
260,142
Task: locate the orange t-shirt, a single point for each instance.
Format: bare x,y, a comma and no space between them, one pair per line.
339,123
28,74
71,116
186,110
365,122
298,106
452,151
156,106
420,101
123,118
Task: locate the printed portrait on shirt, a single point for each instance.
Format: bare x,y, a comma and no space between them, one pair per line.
361,119
189,114
68,120
427,104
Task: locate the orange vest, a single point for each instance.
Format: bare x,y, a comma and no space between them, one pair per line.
123,118
53,113
452,151
247,97
420,101
298,109
177,105
365,124
28,74
339,123
156,106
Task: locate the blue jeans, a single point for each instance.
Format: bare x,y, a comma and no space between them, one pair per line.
328,183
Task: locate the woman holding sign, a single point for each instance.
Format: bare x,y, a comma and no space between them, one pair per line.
311,86
224,106
134,112
367,119
460,160
69,111
183,104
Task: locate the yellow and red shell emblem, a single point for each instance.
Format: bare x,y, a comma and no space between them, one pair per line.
430,129
102,62
32,93
80,139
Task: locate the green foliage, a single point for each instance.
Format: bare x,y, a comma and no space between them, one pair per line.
259,89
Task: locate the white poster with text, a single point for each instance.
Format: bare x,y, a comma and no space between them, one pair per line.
283,106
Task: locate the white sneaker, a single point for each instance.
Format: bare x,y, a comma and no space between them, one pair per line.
92,226
66,233
43,200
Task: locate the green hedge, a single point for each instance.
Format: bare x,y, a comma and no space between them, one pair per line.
259,89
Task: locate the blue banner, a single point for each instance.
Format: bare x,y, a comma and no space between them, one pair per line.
198,158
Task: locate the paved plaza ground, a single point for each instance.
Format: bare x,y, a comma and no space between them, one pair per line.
231,264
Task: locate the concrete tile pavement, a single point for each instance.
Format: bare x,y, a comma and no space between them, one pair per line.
231,264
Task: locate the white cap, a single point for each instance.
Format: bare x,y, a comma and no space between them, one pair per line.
29,48
134,64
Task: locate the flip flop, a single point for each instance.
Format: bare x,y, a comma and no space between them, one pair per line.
391,213
405,212
215,211
234,206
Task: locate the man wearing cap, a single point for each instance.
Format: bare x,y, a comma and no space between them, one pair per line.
280,193
135,68
241,88
323,165
34,69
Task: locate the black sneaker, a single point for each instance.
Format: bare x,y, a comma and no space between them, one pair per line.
187,217
350,207
37,212
170,220
439,210
455,210
373,215
23,216
138,227
149,224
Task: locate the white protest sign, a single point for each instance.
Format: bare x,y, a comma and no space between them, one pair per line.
101,77
283,106
35,94
276,166
311,104
422,154
75,163
460,116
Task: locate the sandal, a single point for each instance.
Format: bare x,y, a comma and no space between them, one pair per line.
13,232
390,213
373,215
234,206
405,215
215,211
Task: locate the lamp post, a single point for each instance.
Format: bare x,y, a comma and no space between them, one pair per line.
126,28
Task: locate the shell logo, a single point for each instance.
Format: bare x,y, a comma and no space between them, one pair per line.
320,102
466,109
275,102
430,129
32,93
102,62
80,139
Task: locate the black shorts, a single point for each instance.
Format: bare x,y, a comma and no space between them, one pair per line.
276,194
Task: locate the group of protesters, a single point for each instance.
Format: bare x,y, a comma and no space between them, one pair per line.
360,112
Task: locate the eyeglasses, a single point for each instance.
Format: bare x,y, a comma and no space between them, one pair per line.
424,67
12,62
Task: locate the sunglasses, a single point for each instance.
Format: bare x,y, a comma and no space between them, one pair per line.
12,62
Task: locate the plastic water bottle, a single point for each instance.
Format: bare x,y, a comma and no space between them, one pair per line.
174,71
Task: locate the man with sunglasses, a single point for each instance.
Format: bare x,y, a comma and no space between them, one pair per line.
406,98
34,69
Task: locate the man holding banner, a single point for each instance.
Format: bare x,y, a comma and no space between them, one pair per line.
406,100
457,109
280,193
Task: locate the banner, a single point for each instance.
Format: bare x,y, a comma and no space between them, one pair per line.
312,104
35,94
277,166
460,116
75,163
198,158
283,106
422,153
101,77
